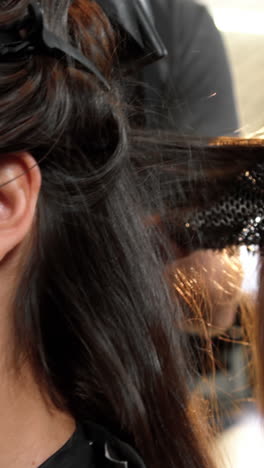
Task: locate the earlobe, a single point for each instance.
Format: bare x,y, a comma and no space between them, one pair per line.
20,182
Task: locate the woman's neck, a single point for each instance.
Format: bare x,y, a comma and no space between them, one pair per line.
31,430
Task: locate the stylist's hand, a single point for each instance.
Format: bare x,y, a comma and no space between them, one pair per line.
209,284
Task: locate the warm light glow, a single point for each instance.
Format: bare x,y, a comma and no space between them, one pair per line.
239,20
242,445
250,265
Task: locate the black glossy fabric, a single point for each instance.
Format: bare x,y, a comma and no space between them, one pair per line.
94,447
76,453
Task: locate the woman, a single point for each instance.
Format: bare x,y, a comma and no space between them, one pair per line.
92,364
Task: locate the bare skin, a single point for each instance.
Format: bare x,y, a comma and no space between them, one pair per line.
31,428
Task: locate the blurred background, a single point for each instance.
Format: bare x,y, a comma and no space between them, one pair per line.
242,24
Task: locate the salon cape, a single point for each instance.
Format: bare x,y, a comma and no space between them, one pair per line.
94,447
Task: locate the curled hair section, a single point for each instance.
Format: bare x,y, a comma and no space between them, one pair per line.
93,312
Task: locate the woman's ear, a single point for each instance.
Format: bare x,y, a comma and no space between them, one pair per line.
20,182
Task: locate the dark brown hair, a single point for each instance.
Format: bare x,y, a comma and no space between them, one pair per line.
93,314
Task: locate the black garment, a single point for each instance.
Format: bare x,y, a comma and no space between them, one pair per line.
94,447
76,453
192,88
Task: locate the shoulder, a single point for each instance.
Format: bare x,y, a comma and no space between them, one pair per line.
181,20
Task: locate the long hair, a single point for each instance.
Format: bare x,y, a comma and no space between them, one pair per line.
93,313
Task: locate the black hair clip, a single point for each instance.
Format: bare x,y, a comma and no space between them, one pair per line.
31,36
141,42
